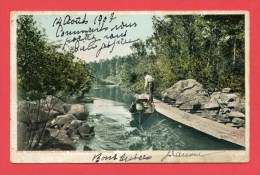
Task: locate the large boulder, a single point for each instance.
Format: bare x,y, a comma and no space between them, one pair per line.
73,134
76,123
86,131
187,93
66,107
63,119
80,111
56,103
58,139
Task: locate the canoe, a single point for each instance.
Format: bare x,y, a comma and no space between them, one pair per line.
141,110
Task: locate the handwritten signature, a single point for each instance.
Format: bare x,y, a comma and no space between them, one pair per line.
182,154
121,158
104,32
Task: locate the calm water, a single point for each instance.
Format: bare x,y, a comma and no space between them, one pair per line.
109,114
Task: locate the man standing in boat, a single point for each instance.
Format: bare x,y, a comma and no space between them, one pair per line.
149,82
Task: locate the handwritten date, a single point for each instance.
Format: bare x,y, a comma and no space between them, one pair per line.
82,34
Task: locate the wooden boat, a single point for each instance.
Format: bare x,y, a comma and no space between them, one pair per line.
141,110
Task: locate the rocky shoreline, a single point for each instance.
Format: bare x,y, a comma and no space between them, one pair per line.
60,127
223,106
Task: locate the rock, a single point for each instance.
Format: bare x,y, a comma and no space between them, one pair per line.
60,141
179,102
58,104
209,114
188,87
84,131
68,126
224,98
238,121
212,104
80,111
224,110
186,93
226,90
66,107
167,99
240,107
190,106
73,134
227,98
223,119
236,114
86,148
213,113
53,114
53,132
76,123
31,112
63,119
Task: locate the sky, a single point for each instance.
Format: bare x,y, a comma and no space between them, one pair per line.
101,35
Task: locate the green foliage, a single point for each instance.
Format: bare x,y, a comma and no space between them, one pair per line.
42,69
208,48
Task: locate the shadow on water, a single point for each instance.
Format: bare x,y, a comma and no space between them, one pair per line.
116,130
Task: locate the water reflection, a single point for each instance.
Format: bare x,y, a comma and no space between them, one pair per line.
112,92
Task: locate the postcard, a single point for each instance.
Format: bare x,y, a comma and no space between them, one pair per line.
129,87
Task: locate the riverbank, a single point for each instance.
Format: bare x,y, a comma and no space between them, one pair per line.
222,106
220,114
40,128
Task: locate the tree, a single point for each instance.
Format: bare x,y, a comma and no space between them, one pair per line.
208,48
44,74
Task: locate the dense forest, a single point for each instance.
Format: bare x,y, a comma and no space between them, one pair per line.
207,48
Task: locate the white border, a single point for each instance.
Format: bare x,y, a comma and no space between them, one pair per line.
157,156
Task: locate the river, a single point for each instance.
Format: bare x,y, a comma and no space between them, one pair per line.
113,131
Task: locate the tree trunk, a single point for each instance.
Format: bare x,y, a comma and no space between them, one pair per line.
234,52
